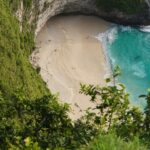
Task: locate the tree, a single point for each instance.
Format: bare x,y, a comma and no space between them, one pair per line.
113,110
41,123
126,6
146,133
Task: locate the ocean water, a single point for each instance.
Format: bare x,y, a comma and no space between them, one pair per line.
130,49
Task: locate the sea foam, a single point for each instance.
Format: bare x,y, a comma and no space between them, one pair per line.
107,38
145,28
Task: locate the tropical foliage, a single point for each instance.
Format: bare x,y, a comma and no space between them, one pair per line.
16,73
127,6
43,122
113,109
111,141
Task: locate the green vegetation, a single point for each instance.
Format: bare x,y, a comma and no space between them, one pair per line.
111,141
114,110
16,73
32,118
43,121
127,6
14,4
130,126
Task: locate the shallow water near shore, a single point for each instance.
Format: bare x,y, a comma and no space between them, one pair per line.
130,49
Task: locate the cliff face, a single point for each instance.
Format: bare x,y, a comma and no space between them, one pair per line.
50,8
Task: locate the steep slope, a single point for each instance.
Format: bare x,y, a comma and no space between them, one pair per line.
16,73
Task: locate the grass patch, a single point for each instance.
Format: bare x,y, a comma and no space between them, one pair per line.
16,73
110,141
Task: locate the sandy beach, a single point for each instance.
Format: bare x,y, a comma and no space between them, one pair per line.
69,54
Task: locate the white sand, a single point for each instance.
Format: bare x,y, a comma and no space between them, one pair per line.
69,54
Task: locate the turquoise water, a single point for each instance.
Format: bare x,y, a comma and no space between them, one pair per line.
130,49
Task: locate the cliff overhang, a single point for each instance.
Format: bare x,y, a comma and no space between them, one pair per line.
50,8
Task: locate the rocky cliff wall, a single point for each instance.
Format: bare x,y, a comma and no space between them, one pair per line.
50,8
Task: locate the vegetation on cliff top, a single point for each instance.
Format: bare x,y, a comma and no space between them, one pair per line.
111,141
16,73
44,123
127,6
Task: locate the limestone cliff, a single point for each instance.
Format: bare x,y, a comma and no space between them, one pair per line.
42,10
50,8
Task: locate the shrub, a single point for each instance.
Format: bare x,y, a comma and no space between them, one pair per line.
127,6
111,141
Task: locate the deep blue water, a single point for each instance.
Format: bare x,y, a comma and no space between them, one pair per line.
130,49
